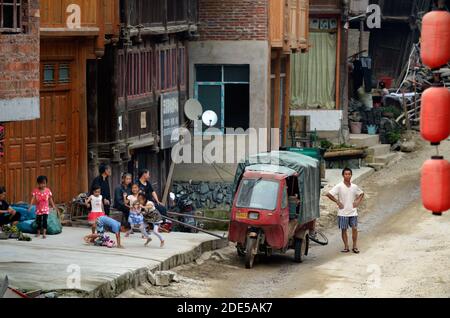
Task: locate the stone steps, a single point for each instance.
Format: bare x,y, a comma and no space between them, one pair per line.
384,158
376,166
363,140
378,150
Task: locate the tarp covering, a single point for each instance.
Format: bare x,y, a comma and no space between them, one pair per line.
308,180
271,168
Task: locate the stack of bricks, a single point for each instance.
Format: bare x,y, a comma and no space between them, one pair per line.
19,57
233,20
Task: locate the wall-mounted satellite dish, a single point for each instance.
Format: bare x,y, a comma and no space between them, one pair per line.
210,118
193,109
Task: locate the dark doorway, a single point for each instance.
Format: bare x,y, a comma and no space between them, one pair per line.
237,109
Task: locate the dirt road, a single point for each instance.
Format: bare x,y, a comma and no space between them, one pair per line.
405,252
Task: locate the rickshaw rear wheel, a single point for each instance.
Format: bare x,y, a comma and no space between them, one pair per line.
249,254
300,249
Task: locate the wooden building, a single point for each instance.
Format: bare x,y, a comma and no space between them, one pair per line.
137,91
72,36
289,33
320,78
391,45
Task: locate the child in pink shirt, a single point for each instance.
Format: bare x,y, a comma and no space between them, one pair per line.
42,196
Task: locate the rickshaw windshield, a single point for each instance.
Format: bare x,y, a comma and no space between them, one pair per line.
258,194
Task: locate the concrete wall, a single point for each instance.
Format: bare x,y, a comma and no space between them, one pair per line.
254,53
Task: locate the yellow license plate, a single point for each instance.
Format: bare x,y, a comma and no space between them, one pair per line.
241,215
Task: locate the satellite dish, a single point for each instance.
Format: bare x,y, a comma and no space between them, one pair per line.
193,109
210,118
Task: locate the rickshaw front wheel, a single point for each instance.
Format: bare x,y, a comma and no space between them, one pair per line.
249,252
240,250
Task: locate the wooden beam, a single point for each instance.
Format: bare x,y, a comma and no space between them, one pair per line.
287,101
338,65
277,91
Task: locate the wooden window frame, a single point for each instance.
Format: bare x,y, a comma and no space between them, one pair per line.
17,26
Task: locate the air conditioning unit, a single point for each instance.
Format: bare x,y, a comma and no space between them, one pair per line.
358,7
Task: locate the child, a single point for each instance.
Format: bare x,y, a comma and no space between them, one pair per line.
136,219
42,196
97,208
133,197
151,216
106,223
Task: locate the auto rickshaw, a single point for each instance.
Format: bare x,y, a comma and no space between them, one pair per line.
275,205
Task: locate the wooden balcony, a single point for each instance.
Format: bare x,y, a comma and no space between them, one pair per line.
159,16
289,24
79,17
326,7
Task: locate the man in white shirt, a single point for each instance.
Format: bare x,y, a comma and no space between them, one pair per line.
348,197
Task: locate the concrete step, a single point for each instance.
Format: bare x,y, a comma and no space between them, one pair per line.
377,166
362,140
378,150
385,158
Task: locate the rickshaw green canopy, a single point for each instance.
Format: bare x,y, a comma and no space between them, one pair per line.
308,170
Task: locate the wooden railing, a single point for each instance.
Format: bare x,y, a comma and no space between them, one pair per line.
289,24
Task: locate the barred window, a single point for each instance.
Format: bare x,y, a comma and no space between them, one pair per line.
11,16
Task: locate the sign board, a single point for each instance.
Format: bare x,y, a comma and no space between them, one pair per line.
170,118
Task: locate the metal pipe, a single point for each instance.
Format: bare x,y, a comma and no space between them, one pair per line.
195,228
198,217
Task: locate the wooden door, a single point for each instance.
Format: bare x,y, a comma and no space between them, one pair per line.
38,147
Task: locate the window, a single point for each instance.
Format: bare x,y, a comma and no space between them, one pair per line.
56,73
146,68
64,73
136,76
225,90
49,73
11,16
258,194
284,202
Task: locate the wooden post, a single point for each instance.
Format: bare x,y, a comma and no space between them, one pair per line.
287,101
405,109
277,95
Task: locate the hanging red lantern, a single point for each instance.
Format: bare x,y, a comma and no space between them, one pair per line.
435,114
435,185
435,42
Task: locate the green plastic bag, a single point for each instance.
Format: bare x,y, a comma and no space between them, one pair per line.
53,224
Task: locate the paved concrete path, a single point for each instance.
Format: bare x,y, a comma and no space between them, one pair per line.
52,263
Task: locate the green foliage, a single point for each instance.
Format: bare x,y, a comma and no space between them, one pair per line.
393,136
325,144
393,110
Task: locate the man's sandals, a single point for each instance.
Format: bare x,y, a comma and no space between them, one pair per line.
355,250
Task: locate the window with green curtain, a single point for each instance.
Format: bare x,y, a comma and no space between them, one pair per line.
313,74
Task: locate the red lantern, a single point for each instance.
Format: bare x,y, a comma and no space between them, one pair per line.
435,114
435,185
435,46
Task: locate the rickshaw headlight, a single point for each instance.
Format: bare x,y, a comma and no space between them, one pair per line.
253,215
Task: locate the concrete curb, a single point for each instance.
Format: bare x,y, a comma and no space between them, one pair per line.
136,278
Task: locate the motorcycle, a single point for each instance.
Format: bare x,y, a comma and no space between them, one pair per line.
183,205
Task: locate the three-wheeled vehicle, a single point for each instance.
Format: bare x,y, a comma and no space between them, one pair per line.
276,203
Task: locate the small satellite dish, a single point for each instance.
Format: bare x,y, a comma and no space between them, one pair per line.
210,118
193,109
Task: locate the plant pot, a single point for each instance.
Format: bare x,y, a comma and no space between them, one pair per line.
355,127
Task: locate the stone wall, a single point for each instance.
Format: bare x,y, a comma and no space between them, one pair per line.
206,195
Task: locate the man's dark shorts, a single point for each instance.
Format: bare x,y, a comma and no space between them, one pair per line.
8,219
344,222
